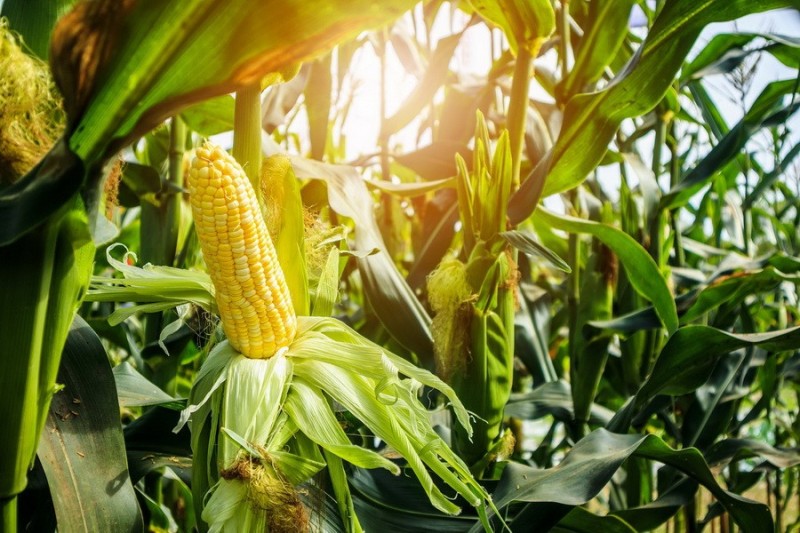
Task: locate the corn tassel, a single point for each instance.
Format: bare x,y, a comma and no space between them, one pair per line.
251,292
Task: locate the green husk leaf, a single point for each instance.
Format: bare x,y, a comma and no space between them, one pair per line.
227,504
294,468
341,490
357,394
328,286
251,401
151,284
286,223
314,417
336,329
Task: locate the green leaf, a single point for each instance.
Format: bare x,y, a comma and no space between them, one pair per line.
531,337
410,190
135,390
151,443
767,110
210,117
688,358
651,515
727,450
160,515
187,521
735,288
393,301
554,398
722,54
627,324
82,449
591,120
714,123
166,61
593,461
579,520
599,45
640,267
727,50
34,21
748,514
769,179
527,244
390,503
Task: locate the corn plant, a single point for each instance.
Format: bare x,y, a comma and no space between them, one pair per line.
557,291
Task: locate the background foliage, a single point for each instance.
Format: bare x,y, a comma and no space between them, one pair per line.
630,246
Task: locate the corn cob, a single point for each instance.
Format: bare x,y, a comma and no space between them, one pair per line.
251,292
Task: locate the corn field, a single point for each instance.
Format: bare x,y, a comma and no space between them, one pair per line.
395,266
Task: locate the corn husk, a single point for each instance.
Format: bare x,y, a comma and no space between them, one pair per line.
245,410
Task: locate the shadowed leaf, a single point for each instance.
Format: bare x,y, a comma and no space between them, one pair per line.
593,461
82,448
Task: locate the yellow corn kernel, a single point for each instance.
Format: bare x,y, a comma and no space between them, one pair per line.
252,296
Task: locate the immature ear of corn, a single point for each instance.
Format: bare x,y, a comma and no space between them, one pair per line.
474,321
252,296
